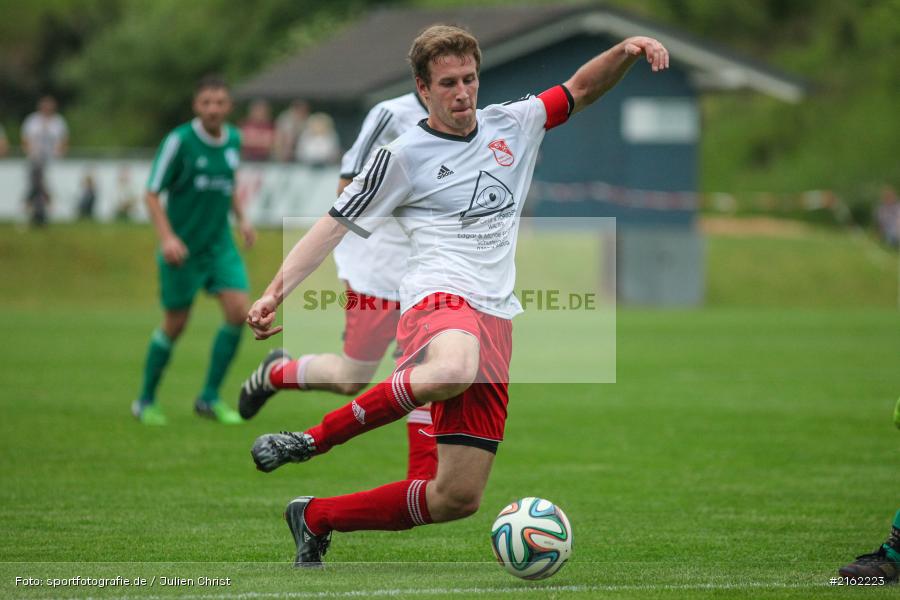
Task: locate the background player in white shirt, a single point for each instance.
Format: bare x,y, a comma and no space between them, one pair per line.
457,295
372,270
45,135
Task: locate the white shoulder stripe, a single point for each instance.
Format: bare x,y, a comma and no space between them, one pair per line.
164,161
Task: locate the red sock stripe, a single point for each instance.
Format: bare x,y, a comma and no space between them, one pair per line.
403,391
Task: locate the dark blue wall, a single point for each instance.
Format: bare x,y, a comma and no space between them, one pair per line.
590,147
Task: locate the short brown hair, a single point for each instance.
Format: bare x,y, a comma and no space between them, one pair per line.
441,40
211,81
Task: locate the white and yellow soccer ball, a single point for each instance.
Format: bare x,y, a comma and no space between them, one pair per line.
532,538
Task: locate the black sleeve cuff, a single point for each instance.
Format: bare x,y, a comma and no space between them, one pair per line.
348,223
569,98
349,176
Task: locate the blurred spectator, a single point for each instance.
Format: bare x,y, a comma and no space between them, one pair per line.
288,128
318,145
4,144
887,215
45,135
258,132
37,199
126,197
88,197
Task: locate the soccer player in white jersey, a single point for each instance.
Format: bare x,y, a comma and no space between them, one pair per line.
371,269
457,295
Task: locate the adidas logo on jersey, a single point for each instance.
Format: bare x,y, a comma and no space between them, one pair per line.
444,172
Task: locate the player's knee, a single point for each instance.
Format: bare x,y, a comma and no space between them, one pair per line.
462,504
454,377
236,319
173,328
349,388
455,501
352,377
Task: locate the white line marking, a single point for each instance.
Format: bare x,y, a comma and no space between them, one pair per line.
405,592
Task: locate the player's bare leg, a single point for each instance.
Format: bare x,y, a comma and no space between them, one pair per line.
449,368
339,374
278,371
461,478
234,305
174,322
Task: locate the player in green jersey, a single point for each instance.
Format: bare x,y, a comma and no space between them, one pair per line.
195,165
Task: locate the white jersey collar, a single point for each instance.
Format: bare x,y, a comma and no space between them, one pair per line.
204,135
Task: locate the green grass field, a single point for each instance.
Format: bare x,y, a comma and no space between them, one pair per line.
745,451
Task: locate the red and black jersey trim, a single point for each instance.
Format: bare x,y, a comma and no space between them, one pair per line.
559,104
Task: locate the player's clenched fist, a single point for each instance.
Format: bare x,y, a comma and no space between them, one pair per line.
261,317
173,250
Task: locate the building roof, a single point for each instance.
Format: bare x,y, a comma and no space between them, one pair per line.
367,60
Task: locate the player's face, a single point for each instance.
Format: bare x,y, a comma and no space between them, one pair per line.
212,105
452,95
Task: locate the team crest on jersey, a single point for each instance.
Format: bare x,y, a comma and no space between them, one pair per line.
491,196
502,154
202,163
232,158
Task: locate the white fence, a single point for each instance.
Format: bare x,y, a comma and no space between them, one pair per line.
268,192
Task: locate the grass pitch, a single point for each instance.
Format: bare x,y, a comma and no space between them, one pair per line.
743,452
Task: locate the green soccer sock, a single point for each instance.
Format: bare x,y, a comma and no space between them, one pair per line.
158,354
223,351
892,546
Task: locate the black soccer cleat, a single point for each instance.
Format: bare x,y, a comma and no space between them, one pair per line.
271,450
310,548
257,388
878,563
875,564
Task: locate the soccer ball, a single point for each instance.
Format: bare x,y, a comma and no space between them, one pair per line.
532,538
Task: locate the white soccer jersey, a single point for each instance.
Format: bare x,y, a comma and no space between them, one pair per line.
458,199
375,266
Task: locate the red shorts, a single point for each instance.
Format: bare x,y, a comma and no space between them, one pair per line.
480,411
370,324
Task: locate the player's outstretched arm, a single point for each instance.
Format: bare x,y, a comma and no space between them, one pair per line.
603,72
304,258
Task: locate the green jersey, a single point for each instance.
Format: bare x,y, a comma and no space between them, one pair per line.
197,170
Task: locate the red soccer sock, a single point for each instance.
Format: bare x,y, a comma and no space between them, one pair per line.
383,404
391,507
290,374
422,448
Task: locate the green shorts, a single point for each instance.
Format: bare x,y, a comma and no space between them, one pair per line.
213,271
